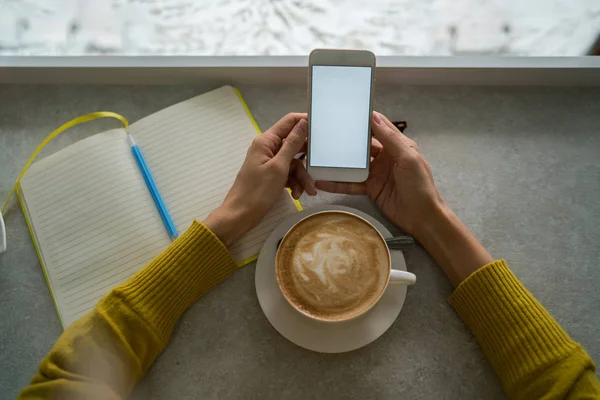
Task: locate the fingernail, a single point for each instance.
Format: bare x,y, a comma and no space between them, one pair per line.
377,118
302,126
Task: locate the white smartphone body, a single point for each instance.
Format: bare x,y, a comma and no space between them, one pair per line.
340,96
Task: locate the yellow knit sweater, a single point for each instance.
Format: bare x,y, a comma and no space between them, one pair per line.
105,353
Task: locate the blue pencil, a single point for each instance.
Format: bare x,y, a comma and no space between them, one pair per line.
160,204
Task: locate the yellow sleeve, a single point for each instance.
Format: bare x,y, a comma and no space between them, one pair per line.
105,353
532,355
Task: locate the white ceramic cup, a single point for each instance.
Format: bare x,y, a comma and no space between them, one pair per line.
395,277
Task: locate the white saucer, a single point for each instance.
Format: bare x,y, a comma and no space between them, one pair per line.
322,336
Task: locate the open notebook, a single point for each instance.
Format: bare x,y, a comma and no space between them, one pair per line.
90,213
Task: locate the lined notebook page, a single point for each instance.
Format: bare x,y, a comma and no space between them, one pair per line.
194,150
94,221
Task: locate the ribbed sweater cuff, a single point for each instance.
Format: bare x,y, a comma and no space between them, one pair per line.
173,281
516,333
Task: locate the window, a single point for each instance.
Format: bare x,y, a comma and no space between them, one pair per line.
294,27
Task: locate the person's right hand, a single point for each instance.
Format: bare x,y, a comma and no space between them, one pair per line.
400,180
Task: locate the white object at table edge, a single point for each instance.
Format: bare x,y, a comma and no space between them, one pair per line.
2,235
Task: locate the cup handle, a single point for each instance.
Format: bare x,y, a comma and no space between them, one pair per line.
398,277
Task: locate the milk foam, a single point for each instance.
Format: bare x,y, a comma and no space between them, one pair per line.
333,265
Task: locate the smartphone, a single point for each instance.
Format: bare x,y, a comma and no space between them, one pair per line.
340,96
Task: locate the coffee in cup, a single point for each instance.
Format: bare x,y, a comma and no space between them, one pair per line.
333,266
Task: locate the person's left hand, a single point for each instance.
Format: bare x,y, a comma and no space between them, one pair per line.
268,168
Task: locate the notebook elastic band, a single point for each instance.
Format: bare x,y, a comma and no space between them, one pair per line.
71,123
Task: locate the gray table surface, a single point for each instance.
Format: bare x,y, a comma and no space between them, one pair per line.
520,166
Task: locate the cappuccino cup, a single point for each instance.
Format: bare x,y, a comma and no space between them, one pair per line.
333,266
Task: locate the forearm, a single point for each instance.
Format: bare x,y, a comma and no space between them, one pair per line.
451,244
106,352
531,353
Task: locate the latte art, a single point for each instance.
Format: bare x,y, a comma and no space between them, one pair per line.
332,266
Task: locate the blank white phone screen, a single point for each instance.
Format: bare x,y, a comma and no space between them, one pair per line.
339,116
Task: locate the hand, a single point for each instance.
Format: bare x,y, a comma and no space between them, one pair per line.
268,168
400,180
401,183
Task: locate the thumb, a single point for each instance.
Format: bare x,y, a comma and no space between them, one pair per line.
294,142
390,138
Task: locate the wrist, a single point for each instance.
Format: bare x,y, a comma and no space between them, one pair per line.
437,216
224,224
451,244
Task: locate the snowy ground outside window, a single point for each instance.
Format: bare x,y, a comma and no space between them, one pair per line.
292,27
